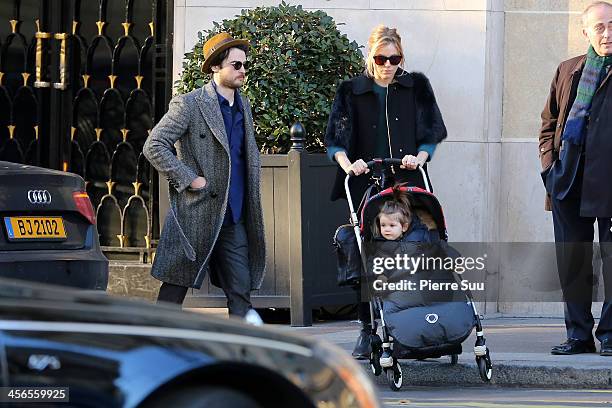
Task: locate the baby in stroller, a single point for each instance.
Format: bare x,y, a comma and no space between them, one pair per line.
397,221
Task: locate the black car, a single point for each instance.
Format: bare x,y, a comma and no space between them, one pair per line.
100,351
48,228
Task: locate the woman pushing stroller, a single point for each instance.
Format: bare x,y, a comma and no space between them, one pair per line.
386,112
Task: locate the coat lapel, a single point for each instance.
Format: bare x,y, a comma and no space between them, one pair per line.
606,78
249,134
209,106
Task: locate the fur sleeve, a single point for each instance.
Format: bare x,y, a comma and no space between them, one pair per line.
339,130
430,125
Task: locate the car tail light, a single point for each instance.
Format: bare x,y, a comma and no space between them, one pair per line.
83,204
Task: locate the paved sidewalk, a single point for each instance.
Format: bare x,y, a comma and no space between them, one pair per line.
520,350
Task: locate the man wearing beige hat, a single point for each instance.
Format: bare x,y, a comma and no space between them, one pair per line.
205,146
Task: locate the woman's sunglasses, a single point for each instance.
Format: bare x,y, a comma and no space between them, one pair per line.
381,59
239,64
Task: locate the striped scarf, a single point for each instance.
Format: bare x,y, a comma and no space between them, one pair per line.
592,75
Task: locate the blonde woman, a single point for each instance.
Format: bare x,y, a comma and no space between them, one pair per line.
385,112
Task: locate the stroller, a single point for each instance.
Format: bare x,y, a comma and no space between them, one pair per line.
412,328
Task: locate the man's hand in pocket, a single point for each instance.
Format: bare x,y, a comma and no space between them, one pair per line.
198,183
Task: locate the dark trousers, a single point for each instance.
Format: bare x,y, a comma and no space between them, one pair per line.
363,307
171,293
574,246
230,258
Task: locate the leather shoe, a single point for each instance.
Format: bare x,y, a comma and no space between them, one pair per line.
606,348
363,348
574,346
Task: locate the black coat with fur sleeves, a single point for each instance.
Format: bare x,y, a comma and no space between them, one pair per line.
413,115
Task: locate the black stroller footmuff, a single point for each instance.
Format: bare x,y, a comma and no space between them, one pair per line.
425,322
429,330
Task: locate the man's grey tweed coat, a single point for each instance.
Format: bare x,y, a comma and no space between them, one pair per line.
190,141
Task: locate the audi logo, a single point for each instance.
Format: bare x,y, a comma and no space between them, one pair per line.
39,197
431,318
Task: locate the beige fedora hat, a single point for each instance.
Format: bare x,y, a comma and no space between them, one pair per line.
216,45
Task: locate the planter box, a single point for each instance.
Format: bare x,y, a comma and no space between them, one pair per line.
299,224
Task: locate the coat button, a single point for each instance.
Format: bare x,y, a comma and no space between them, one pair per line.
401,150
202,135
373,126
213,194
396,118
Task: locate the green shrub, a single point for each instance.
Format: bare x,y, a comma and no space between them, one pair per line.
297,57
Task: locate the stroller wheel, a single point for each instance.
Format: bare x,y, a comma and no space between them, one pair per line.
454,359
485,368
394,376
375,359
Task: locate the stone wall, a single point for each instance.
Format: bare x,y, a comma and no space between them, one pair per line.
132,279
538,35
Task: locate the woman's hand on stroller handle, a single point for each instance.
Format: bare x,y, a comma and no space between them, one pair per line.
361,167
411,162
357,168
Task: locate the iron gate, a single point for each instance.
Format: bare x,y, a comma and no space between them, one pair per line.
81,85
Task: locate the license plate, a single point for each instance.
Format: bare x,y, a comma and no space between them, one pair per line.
35,228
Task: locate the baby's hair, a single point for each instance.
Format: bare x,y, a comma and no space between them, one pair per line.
398,207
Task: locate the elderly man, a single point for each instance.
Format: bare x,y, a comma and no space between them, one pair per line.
206,148
576,151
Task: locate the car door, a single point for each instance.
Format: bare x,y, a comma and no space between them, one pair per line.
64,362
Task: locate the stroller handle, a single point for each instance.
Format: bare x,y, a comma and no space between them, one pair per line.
386,163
